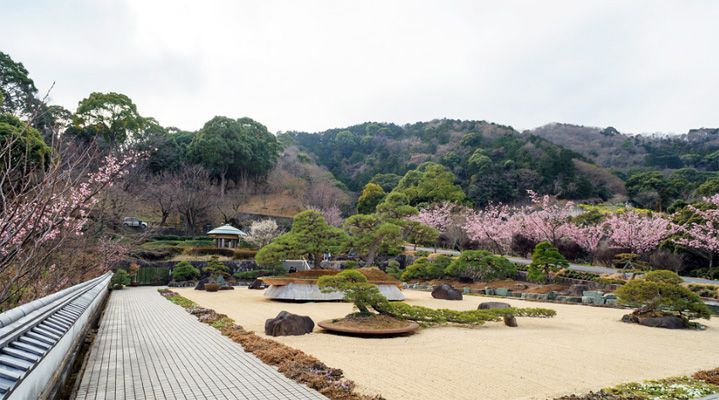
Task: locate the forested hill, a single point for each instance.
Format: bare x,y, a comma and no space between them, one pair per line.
699,148
491,162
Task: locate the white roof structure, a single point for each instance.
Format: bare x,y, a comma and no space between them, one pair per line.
226,230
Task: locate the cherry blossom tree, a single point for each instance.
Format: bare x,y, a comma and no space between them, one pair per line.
438,216
702,235
588,237
40,212
496,224
637,232
546,219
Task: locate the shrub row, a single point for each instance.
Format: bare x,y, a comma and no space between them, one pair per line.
474,265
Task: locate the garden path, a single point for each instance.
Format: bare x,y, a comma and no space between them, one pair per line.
149,348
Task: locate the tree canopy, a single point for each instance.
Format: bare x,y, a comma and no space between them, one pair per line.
234,149
309,237
430,183
110,117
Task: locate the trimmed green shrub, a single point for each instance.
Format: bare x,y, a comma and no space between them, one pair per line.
430,316
393,269
216,269
659,297
545,259
664,276
120,279
184,271
480,265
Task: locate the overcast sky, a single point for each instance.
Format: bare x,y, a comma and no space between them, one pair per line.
640,66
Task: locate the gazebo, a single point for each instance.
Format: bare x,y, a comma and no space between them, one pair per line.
226,236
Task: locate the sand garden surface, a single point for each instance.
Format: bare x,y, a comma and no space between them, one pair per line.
581,349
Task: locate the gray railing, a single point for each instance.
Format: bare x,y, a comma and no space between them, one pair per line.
38,340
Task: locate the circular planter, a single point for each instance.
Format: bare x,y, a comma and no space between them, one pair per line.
331,326
212,287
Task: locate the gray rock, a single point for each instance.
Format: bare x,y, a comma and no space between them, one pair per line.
201,284
257,284
446,292
577,290
288,324
510,320
488,305
667,322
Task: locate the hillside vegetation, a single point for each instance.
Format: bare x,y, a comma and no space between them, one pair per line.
491,162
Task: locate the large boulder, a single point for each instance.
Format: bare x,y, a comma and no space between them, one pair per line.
287,324
201,284
488,305
257,284
510,320
446,292
668,322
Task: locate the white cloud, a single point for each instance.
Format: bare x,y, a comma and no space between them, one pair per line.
640,66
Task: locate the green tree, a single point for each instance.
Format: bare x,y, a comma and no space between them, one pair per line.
184,271
217,270
371,196
395,207
660,294
234,149
418,233
709,187
368,234
480,265
355,287
430,183
386,181
112,117
24,142
479,162
17,90
545,259
309,237
651,190
166,149
120,279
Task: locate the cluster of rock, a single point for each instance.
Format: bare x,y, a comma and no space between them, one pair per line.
666,321
577,293
202,282
288,324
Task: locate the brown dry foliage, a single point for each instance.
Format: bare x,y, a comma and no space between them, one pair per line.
708,376
297,365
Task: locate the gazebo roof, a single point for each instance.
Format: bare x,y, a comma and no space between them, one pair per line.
226,230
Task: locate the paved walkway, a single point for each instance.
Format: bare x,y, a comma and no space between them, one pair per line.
149,348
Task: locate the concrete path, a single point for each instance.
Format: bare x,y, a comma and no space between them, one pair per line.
149,348
577,267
